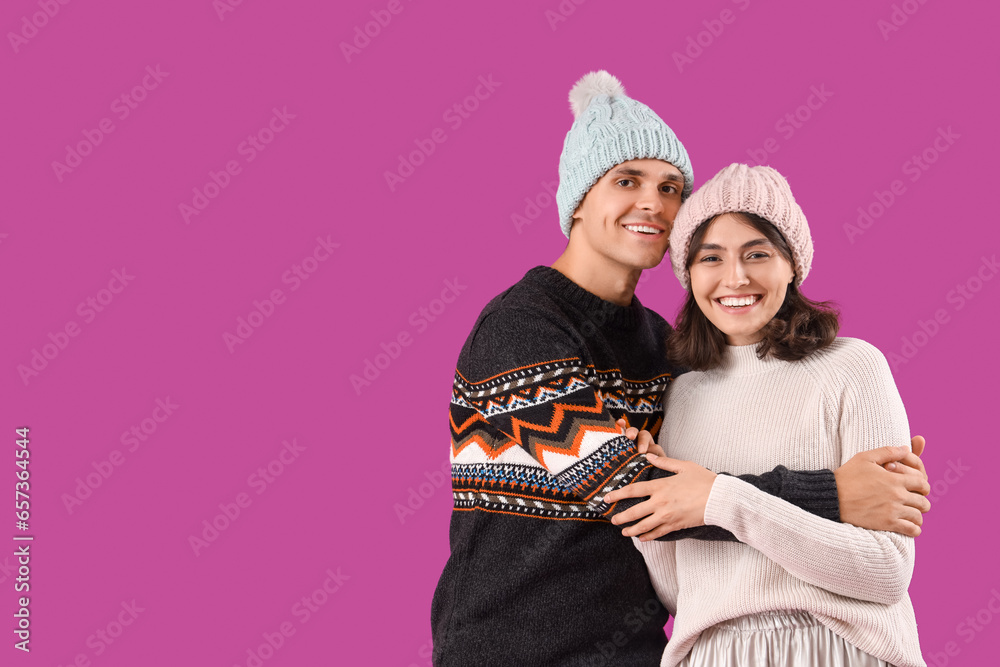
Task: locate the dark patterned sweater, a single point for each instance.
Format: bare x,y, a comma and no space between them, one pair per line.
537,575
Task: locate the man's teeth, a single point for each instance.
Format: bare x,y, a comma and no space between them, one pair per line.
736,301
643,229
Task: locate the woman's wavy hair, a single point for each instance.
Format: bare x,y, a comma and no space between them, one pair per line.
800,327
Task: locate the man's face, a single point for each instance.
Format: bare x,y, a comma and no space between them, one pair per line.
625,219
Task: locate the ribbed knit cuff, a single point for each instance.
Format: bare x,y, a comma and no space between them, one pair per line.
815,491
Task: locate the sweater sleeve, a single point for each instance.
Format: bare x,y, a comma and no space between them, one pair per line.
523,380
847,560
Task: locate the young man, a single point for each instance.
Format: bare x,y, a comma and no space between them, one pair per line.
538,575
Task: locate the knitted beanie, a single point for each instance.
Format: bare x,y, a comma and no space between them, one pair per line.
740,188
610,128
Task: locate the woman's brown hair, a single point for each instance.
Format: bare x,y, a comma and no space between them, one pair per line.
800,327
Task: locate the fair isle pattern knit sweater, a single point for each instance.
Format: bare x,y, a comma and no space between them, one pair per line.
537,574
747,416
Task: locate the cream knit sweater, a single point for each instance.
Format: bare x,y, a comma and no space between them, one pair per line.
747,416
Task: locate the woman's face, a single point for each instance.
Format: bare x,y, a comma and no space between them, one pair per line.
738,279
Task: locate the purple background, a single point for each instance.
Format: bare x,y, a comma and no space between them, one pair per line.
369,450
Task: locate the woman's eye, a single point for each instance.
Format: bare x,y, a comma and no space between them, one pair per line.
709,258
758,255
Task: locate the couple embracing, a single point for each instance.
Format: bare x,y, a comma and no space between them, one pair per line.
775,513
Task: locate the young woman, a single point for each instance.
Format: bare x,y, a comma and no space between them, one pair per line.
771,385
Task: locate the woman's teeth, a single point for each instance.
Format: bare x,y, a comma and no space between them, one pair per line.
737,301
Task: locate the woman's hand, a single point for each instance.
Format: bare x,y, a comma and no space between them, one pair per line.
643,439
673,502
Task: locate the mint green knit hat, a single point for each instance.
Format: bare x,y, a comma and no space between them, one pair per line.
610,128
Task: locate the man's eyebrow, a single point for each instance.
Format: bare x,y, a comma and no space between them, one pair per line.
632,171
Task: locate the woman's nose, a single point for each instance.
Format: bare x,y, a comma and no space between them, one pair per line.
736,276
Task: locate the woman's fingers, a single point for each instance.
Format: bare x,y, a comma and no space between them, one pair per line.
665,462
649,524
657,532
656,450
635,490
633,513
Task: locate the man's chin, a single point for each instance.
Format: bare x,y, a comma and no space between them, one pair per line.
652,261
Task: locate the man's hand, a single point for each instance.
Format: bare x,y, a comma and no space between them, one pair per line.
674,502
912,459
884,489
643,439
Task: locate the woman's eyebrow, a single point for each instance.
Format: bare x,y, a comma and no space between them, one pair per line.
748,244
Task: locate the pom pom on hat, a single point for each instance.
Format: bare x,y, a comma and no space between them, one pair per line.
590,86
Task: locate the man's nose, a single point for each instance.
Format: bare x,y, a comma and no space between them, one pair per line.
650,200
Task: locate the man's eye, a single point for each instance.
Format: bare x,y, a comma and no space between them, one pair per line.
624,180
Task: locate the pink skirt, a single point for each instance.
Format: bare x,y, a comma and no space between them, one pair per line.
778,639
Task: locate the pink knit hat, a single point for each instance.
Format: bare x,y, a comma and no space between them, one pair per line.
741,188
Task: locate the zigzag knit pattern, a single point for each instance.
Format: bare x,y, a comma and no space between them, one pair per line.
560,413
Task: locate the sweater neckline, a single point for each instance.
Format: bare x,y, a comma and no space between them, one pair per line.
594,307
743,360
